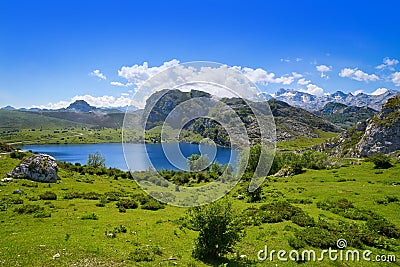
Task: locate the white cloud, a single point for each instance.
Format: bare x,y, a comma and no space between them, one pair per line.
138,74
121,84
98,74
323,69
263,77
298,59
358,75
379,91
396,78
285,60
313,89
100,101
303,81
387,63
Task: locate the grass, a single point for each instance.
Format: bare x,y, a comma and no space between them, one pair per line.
72,135
302,142
143,237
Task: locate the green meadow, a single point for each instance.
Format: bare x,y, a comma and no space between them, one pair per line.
102,218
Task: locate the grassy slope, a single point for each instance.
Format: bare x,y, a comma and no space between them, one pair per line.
12,120
33,241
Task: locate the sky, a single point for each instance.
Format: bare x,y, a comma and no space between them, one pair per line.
55,52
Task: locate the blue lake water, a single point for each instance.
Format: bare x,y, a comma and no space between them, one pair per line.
140,156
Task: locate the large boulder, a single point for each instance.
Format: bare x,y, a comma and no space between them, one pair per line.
39,167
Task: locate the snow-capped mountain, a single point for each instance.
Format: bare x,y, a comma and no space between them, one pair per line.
313,103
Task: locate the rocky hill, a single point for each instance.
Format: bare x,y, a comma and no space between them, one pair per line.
315,103
291,122
379,134
343,115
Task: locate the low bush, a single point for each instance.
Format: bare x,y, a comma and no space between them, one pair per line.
48,195
381,161
152,205
28,209
127,204
90,216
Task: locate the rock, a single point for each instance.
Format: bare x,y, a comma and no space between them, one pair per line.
286,171
7,179
57,255
18,191
38,167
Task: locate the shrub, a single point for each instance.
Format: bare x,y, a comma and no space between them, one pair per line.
383,227
303,219
127,204
90,216
18,155
91,195
152,205
96,160
42,214
381,161
28,209
48,195
72,195
318,237
219,226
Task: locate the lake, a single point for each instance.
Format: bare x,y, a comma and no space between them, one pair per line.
139,157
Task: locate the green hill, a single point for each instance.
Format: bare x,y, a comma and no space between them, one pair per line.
17,120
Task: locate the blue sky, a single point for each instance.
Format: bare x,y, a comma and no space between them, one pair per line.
52,52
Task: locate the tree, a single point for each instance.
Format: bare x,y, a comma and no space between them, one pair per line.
197,162
96,160
219,226
381,161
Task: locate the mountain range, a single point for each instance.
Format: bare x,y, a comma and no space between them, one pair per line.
315,103
292,97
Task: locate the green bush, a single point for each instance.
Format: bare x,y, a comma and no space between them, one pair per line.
381,161
219,226
48,195
303,219
383,227
72,195
152,205
127,204
28,209
96,160
90,216
18,155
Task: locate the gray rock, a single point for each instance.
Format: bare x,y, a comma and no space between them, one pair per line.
39,168
18,191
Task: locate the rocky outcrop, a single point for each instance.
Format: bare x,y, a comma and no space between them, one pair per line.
379,134
382,135
39,168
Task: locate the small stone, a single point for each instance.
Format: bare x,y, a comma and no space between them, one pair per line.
57,255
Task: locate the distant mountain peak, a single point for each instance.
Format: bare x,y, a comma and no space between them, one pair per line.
8,108
80,106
